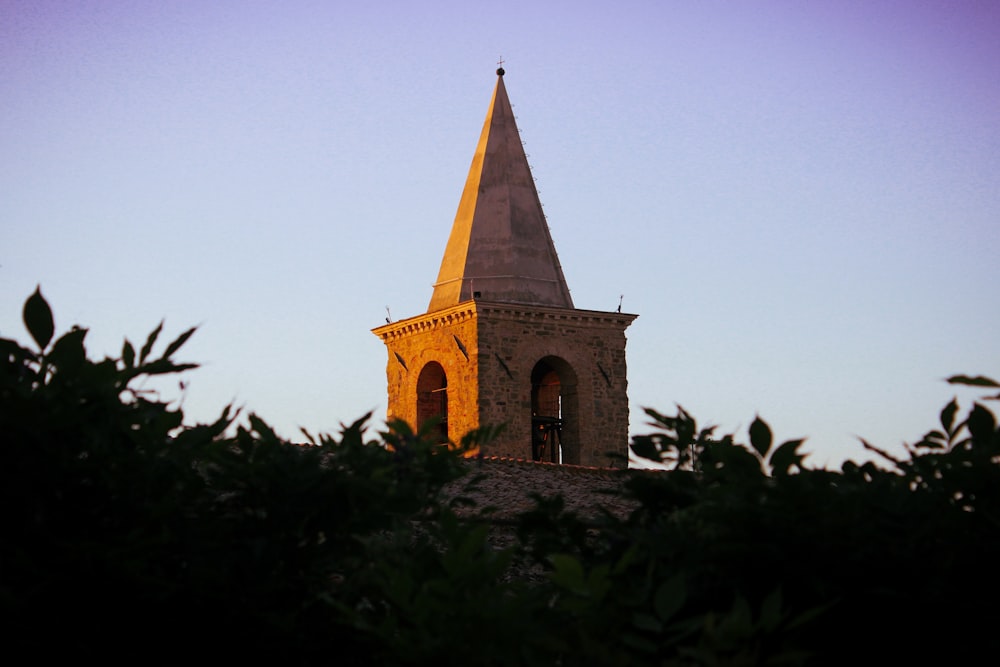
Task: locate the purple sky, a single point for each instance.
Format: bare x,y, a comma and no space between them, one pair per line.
800,200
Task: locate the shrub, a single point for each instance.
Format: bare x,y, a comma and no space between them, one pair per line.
129,535
132,536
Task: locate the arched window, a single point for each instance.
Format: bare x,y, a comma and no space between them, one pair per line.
555,411
432,398
546,413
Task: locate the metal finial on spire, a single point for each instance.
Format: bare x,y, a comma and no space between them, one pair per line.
500,71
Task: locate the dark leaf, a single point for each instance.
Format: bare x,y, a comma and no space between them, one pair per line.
948,417
68,352
567,573
644,448
128,354
659,420
786,456
734,460
770,610
760,436
977,381
38,319
809,615
933,440
262,428
639,643
150,341
669,597
176,345
647,622
881,452
739,621
981,424
161,367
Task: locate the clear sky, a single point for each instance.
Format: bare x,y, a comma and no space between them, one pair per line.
801,200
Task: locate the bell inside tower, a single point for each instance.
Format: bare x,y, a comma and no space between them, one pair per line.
546,414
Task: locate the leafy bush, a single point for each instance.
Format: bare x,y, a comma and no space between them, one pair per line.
867,564
131,536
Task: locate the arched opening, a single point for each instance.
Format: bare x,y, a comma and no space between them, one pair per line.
432,398
553,412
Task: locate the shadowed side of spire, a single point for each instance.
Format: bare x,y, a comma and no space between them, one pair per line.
500,248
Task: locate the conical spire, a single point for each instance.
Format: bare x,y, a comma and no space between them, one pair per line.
500,248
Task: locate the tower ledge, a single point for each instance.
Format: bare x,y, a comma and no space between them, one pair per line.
498,311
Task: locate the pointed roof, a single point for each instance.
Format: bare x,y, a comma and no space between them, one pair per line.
500,248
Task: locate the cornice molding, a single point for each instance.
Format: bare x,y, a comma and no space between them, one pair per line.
494,310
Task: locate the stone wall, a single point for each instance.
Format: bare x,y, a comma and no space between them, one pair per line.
445,337
586,348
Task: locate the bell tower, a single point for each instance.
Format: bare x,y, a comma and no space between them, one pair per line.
501,341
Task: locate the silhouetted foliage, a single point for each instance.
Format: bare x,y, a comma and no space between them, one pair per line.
132,537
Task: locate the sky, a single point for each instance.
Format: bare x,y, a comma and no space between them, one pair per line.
800,200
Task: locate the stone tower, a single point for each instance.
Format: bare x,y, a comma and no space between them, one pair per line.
501,342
